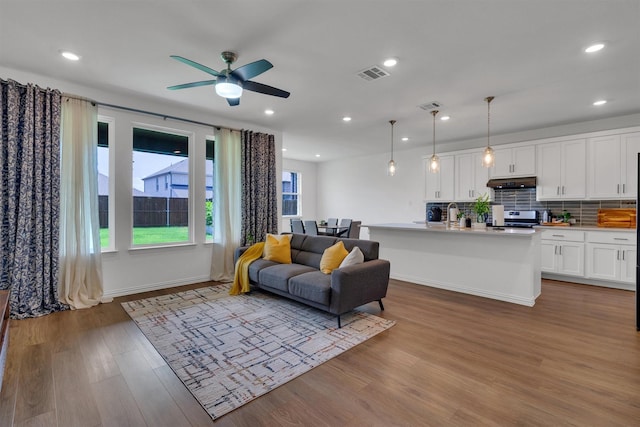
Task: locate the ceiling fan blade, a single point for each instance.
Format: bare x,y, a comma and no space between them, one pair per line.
196,65
249,71
233,101
268,90
194,84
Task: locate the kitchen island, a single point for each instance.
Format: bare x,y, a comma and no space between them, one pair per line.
501,264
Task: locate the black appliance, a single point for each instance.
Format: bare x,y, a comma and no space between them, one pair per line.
523,219
512,183
434,214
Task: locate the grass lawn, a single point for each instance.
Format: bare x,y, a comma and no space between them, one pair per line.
151,235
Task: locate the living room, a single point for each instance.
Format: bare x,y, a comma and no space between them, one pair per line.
349,180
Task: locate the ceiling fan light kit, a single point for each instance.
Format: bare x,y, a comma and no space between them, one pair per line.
231,83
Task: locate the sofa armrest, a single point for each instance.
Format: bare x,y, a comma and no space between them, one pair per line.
238,252
358,284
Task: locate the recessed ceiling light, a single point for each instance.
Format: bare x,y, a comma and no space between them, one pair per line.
269,112
390,62
594,48
284,149
70,55
445,118
317,155
405,139
600,102
346,119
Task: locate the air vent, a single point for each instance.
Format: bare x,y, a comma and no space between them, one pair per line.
431,105
372,73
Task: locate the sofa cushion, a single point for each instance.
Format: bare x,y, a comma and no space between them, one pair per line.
256,266
277,276
313,286
332,257
277,248
354,257
312,249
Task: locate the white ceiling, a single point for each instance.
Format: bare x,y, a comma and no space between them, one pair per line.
528,54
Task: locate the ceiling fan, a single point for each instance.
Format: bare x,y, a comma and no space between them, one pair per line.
230,83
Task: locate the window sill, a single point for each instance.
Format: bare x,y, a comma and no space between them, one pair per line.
161,247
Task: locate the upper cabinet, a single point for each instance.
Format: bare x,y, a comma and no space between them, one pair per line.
471,177
516,161
613,166
562,170
439,186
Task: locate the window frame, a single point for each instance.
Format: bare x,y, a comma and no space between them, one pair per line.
111,136
190,135
298,193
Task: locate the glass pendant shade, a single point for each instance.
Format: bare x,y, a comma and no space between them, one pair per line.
434,161
434,164
392,165
488,157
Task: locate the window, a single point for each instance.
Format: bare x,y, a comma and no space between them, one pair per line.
105,210
160,215
209,168
291,194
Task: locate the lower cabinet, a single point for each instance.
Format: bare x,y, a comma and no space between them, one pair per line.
611,256
562,257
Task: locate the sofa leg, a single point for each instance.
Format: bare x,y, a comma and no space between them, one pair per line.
339,325
381,306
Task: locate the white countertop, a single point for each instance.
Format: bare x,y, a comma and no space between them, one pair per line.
442,228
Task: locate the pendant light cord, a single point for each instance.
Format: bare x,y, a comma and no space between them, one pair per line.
488,99
434,112
393,122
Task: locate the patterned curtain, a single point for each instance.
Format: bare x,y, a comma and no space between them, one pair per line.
259,184
29,197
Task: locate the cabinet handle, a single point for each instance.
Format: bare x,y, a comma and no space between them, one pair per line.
555,250
558,190
473,193
563,189
618,255
618,189
620,238
560,250
557,235
623,188
623,255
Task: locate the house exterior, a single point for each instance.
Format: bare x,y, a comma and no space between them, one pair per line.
173,181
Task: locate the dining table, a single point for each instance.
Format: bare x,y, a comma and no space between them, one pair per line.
331,230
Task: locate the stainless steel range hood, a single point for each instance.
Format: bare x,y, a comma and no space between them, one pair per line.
513,183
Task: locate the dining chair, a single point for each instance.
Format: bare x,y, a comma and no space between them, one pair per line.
332,221
344,222
311,228
354,230
297,226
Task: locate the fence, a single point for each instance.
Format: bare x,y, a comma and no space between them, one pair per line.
150,211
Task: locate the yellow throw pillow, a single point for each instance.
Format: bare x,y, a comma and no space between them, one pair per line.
332,257
277,249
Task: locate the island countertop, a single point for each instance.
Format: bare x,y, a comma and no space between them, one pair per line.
442,228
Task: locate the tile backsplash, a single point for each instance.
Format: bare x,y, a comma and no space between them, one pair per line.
584,212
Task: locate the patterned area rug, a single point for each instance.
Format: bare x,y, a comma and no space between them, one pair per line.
228,350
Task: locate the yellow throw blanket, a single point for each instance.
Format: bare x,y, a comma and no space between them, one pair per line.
241,275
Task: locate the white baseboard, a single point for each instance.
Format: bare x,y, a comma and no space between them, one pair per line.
154,286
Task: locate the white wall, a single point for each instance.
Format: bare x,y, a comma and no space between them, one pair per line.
127,270
309,172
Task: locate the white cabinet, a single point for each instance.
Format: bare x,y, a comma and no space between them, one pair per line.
613,166
471,177
563,252
439,186
515,161
562,170
611,256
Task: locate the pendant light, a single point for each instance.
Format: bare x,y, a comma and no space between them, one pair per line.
392,164
434,162
488,156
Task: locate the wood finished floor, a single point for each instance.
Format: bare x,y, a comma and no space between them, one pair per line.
452,359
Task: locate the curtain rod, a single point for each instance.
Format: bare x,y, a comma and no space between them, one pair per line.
151,113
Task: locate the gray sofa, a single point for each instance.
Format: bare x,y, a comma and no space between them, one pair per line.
337,293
